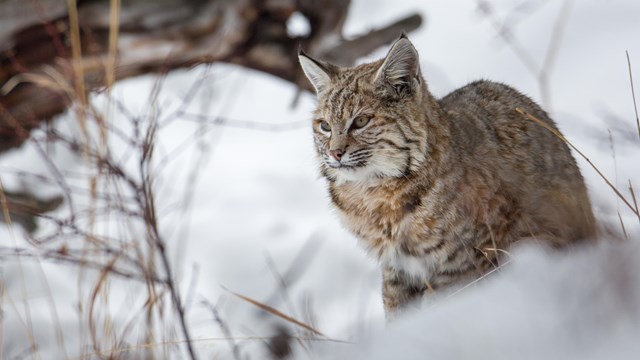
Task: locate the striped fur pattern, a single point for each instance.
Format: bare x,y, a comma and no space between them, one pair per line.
437,189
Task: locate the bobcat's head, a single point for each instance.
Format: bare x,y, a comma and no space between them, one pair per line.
370,120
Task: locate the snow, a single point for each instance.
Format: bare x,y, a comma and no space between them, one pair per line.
232,200
544,305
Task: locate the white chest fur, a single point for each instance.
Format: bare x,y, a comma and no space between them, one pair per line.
419,269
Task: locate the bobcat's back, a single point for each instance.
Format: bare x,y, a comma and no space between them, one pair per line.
439,189
534,164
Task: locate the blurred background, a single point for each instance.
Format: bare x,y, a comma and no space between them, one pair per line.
160,196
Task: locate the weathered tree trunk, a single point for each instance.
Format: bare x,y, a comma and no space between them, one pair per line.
51,57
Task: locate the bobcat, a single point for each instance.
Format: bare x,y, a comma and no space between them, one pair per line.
437,189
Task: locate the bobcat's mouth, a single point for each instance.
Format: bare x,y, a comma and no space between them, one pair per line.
345,165
341,166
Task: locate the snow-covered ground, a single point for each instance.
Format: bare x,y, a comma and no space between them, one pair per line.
232,201
543,306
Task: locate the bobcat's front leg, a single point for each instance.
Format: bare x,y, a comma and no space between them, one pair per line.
397,291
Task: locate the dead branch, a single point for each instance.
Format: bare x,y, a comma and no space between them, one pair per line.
39,73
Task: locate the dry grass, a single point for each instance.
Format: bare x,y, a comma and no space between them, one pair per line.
633,93
109,233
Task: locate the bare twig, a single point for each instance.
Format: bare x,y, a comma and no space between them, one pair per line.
27,322
507,36
474,282
633,196
624,230
633,93
158,242
540,72
298,267
226,331
552,51
65,256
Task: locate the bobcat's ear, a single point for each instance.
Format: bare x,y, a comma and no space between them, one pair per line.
319,73
401,66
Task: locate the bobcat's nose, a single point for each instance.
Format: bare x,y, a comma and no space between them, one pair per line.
337,154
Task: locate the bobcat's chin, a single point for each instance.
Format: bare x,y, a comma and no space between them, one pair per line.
372,170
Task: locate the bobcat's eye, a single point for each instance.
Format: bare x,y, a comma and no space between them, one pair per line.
325,126
360,122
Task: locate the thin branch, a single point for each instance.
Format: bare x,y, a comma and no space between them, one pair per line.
226,331
552,51
158,242
633,93
8,253
507,36
633,196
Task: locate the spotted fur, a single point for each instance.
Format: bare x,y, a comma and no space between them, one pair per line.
437,189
